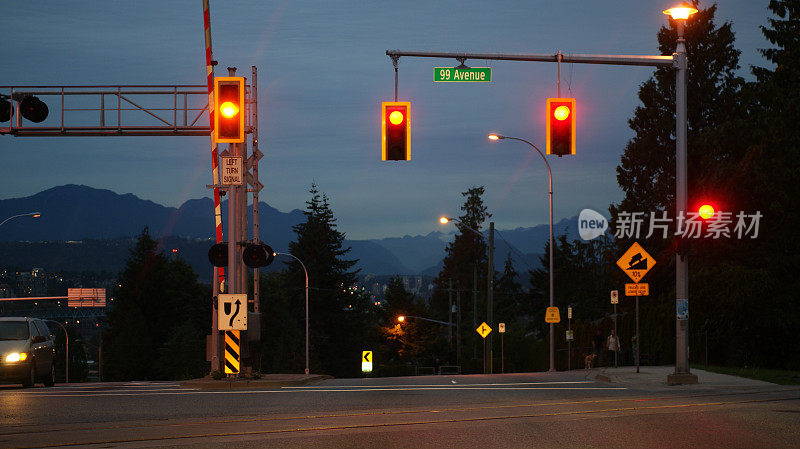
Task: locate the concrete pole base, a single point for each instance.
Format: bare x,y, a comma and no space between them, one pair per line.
681,379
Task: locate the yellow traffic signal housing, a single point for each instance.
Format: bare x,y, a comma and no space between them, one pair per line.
560,126
396,131
229,109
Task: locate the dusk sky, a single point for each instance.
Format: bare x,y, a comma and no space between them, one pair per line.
322,75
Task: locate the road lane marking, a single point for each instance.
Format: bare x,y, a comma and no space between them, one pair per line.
443,385
197,391
408,423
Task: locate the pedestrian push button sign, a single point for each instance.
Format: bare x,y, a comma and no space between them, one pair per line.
636,262
232,312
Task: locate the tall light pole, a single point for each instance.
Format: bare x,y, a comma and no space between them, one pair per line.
489,282
550,178
29,214
681,375
306,273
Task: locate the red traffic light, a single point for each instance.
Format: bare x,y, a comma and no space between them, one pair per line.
706,211
395,131
560,126
230,110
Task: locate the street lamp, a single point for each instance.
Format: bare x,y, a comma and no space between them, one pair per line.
29,214
306,273
681,375
489,283
494,136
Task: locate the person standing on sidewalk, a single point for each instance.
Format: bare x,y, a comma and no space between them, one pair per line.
612,343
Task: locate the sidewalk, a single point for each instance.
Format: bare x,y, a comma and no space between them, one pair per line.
266,381
656,377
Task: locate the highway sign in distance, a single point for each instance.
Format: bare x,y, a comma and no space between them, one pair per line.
552,315
569,313
501,327
614,296
642,289
466,74
483,330
570,335
636,262
232,312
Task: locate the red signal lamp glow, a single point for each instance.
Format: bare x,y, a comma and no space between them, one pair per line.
396,117
706,211
228,109
561,113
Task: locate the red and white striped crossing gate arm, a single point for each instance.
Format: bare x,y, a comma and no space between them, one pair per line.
214,152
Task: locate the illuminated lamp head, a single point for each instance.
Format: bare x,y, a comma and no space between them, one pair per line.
228,109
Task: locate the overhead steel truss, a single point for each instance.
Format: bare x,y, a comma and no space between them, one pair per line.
123,110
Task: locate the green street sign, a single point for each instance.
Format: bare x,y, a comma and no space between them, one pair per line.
468,75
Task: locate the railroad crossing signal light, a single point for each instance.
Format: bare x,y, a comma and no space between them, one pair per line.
258,255
560,126
230,109
396,131
218,255
33,109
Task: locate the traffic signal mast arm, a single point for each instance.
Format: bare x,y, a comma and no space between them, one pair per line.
653,61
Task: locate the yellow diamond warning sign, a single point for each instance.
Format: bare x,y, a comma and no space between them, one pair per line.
552,315
636,262
483,329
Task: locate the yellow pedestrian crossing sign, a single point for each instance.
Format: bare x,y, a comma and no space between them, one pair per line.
483,330
636,262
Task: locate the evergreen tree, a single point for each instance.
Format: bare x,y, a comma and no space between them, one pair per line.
338,314
647,168
509,296
465,262
412,340
158,320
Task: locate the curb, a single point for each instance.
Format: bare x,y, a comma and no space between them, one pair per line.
241,384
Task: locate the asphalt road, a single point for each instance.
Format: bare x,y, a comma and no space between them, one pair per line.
513,410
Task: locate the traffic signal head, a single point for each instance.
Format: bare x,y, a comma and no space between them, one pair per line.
230,109
218,255
257,255
560,126
396,131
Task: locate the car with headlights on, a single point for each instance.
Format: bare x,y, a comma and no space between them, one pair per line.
27,352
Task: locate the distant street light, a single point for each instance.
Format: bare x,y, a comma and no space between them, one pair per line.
550,177
30,214
306,273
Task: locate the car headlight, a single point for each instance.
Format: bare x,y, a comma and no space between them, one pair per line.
16,357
